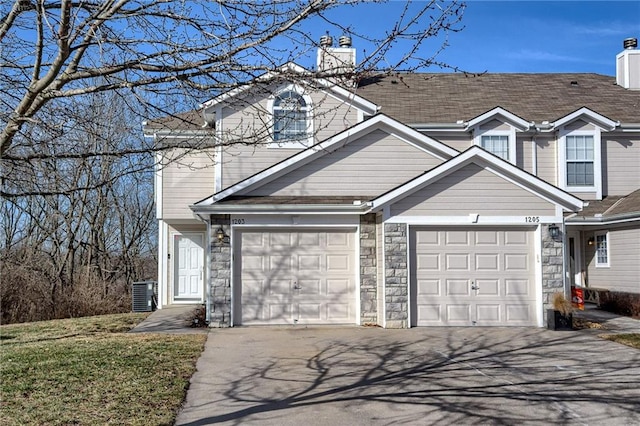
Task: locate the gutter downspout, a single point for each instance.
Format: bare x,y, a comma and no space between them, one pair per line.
207,286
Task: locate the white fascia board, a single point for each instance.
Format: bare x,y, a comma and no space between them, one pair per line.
511,118
304,157
282,208
593,117
343,94
503,168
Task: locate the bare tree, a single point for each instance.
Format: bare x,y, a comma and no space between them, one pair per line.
163,50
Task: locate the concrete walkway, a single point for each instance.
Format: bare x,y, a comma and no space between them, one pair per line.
611,323
173,319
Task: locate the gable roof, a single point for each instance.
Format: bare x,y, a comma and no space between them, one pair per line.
377,122
608,210
420,98
477,155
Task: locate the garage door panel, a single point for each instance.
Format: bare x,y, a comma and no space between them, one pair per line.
459,313
518,288
309,287
516,238
488,314
457,238
519,314
457,287
487,238
428,262
428,288
487,262
339,262
457,262
310,263
488,288
289,276
481,276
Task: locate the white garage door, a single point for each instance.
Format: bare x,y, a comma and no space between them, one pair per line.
289,277
480,276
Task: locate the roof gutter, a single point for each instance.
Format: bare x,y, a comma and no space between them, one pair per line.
595,220
282,208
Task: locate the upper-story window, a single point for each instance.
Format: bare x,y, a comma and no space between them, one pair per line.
580,160
497,145
291,121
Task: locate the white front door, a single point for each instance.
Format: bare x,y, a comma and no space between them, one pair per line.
574,270
189,271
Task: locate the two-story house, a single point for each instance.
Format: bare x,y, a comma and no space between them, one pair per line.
401,200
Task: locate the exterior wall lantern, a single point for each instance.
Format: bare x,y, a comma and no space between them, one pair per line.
220,235
554,231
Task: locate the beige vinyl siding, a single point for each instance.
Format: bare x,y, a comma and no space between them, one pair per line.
472,190
580,125
524,158
370,166
546,159
187,177
621,164
247,125
495,125
623,273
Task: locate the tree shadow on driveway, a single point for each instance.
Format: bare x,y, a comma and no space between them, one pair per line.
430,376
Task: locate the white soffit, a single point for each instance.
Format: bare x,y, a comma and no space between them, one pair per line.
491,163
377,122
590,116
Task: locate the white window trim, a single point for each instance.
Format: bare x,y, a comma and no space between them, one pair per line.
597,161
511,134
607,240
299,144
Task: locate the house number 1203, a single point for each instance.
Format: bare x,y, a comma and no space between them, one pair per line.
237,221
532,219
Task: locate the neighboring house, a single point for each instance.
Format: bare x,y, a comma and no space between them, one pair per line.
405,200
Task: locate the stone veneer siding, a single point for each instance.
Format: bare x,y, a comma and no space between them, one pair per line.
220,274
552,269
368,270
396,275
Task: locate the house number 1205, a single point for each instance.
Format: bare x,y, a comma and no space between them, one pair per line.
532,219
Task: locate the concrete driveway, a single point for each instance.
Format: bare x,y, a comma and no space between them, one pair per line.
370,376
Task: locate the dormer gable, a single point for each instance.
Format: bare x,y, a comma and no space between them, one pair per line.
495,131
579,159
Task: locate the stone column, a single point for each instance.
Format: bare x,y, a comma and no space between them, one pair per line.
368,270
220,273
396,287
552,270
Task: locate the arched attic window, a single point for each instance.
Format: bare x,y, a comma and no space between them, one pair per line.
290,117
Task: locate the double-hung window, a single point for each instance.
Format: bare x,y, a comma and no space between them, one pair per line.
580,160
602,249
290,117
497,145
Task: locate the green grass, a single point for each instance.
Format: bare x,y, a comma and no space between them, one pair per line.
630,339
90,371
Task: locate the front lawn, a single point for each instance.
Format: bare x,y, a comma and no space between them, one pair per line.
90,371
630,339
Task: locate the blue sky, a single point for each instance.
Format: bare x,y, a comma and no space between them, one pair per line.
526,36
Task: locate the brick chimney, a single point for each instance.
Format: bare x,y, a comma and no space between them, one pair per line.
628,65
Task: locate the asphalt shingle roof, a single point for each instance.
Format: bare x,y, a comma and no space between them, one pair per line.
420,98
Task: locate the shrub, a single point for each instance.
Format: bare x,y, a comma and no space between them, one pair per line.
621,303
